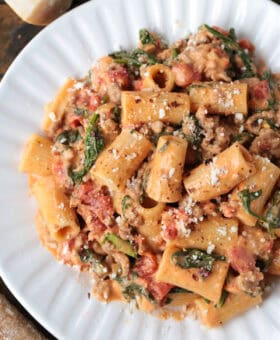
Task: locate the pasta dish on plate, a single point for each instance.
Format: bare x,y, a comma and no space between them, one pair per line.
158,173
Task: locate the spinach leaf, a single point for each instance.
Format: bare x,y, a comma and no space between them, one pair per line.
175,53
263,264
195,136
116,116
121,245
79,111
222,299
88,256
243,136
134,59
231,46
126,204
68,137
195,258
246,197
179,290
146,37
271,219
94,144
272,215
267,75
133,290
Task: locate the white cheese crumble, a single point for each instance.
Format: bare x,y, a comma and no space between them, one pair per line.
222,231
233,229
61,206
52,116
171,172
115,154
115,169
131,156
210,248
239,116
161,113
79,85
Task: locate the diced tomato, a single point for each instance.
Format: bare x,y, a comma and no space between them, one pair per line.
98,200
146,265
185,74
94,101
88,98
246,44
119,76
261,90
159,290
170,232
241,258
73,120
138,85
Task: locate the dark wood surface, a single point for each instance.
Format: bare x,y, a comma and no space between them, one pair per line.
14,35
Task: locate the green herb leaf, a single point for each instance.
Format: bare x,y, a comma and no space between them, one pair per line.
134,59
232,45
195,258
175,53
272,215
133,290
126,203
195,137
179,290
263,264
88,256
222,299
79,111
246,197
68,137
116,116
146,37
241,137
94,143
121,245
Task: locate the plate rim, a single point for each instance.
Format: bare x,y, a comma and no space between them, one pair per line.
30,308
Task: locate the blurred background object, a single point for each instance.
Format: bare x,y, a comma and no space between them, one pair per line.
39,12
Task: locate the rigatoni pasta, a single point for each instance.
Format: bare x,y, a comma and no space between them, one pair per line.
148,106
221,175
165,177
159,176
55,208
37,157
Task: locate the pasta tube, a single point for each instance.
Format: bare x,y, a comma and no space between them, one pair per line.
116,164
209,287
223,98
235,304
164,181
37,156
54,111
143,107
229,168
158,77
54,205
216,234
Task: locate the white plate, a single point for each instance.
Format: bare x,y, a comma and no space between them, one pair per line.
69,46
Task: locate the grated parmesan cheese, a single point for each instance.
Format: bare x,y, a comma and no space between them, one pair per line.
161,113
210,248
